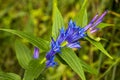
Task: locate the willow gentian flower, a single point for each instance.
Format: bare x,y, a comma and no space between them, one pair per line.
94,22
36,53
71,37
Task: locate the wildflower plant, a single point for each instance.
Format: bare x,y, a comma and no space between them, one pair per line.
71,37
61,44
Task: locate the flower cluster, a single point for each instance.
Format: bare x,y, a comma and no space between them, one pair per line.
70,38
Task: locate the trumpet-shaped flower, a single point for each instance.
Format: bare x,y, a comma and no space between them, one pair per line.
94,22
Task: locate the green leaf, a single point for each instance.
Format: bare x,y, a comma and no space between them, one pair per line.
34,70
42,44
81,18
73,61
6,9
58,21
23,54
87,67
99,46
103,25
9,76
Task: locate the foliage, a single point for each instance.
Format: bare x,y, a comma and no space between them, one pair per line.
31,21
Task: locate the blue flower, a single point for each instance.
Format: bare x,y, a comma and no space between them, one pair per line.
62,36
94,22
51,62
71,37
36,53
55,48
74,33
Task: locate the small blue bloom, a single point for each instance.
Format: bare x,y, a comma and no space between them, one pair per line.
55,46
94,22
36,53
51,62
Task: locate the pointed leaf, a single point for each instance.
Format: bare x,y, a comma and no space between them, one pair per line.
34,70
73,61
87,67
42,44
9,76
103,25
58,21
23,54
81,18
99,46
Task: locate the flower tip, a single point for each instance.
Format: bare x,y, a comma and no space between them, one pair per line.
105,12
52,39
70,21
36,53
62,30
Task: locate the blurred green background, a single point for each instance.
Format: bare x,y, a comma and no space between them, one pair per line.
35,16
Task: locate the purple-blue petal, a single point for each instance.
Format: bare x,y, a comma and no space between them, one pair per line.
88,26
78,35
74,45
94,22
70,29
94,18
36,53
51,62
50,54
94,30
102,16
61,37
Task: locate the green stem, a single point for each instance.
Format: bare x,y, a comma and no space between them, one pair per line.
113,74
109,69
